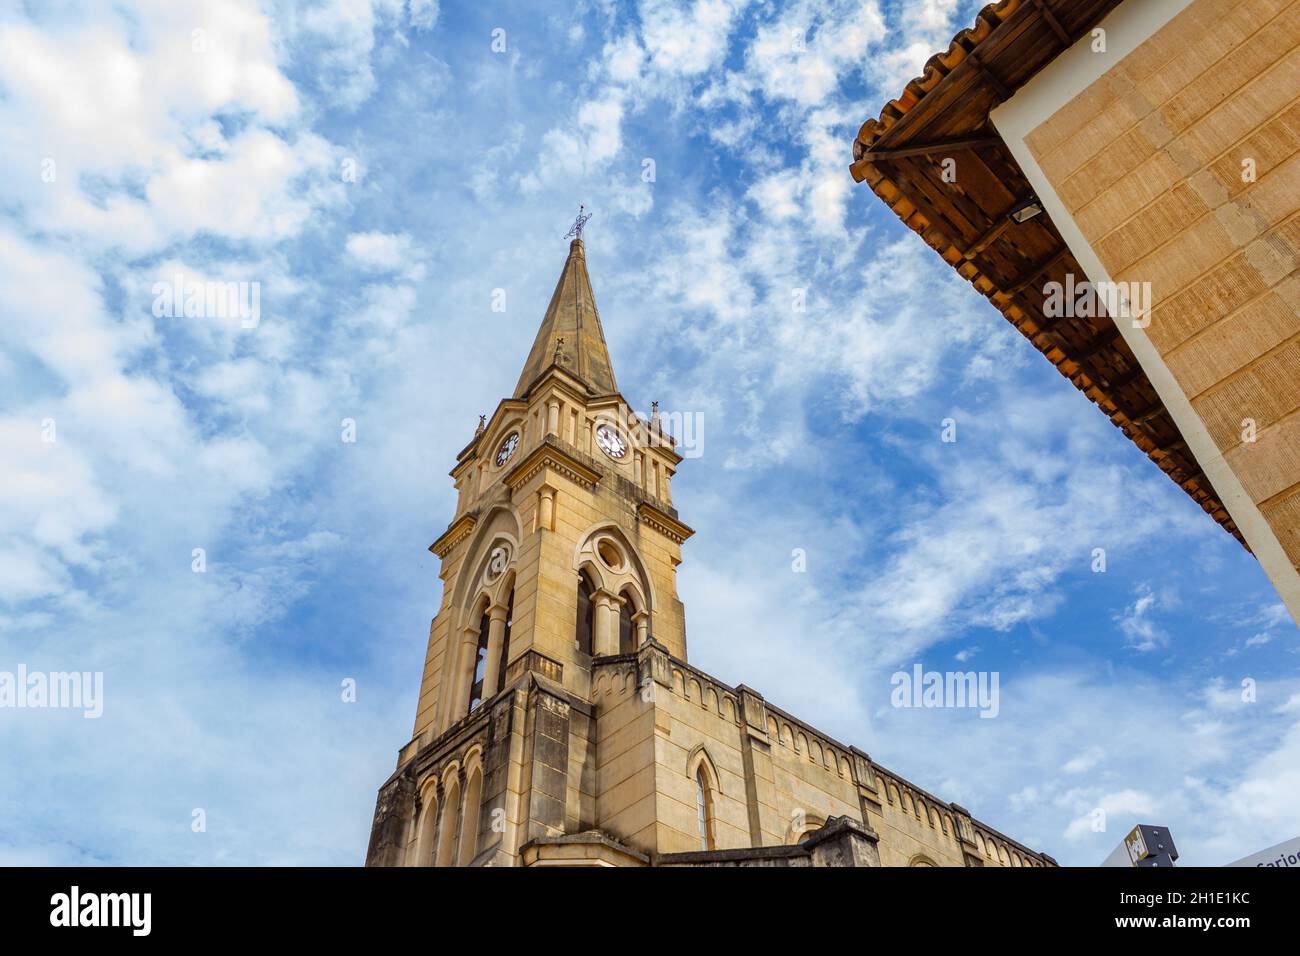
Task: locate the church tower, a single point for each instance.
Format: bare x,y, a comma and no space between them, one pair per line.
563,549
565,543
559,722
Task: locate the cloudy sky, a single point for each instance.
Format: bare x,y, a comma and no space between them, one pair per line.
379,169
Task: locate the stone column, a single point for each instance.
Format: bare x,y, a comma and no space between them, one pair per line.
546,507
604,636
463,675
766,824
553,418
641,620
966,835
496,642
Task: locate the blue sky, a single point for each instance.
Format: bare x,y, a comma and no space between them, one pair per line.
380,170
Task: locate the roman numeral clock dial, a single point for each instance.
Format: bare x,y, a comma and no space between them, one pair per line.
611,442
508,446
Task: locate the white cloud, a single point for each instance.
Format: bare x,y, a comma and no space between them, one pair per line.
687,38
1121,805
1085,761
381,251
129,149
1137,623
423,14
595,138
255,180
624,59
813,48
923,29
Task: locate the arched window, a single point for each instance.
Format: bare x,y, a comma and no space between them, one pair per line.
469,818
704,809
480,662
586,611
426,827
449,826
626,629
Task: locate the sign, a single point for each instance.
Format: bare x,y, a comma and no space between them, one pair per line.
1284,854
1145,846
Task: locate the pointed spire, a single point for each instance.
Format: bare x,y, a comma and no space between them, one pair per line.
570,335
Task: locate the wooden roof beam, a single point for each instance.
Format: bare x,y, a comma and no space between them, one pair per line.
1102,342
1025,281
1054,23
1128,378
925,149
1000,225
976,60
909,191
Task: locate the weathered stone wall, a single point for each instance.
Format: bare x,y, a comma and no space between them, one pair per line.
653,707
611,782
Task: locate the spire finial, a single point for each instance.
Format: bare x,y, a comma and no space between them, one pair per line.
576,229
482,424
559,349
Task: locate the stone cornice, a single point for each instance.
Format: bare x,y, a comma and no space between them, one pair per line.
664,523
468,453
456,532
550,455
564,379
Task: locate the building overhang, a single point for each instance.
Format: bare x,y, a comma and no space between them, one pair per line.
941,123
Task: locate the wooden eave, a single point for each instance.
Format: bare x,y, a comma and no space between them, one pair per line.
945,112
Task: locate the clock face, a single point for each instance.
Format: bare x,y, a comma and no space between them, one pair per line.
507,448
611,441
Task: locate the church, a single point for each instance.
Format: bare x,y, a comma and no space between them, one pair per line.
559,721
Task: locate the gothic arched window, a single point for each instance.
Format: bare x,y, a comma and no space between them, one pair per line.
480,662
704,809
469,818
586,610
626,629
427,826
449,826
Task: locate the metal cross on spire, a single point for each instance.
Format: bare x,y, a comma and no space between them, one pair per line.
576,229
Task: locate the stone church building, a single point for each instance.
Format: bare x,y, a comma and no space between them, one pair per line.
559,722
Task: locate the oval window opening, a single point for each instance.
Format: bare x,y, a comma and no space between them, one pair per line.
610,554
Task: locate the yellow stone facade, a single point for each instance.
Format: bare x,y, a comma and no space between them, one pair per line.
559,722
